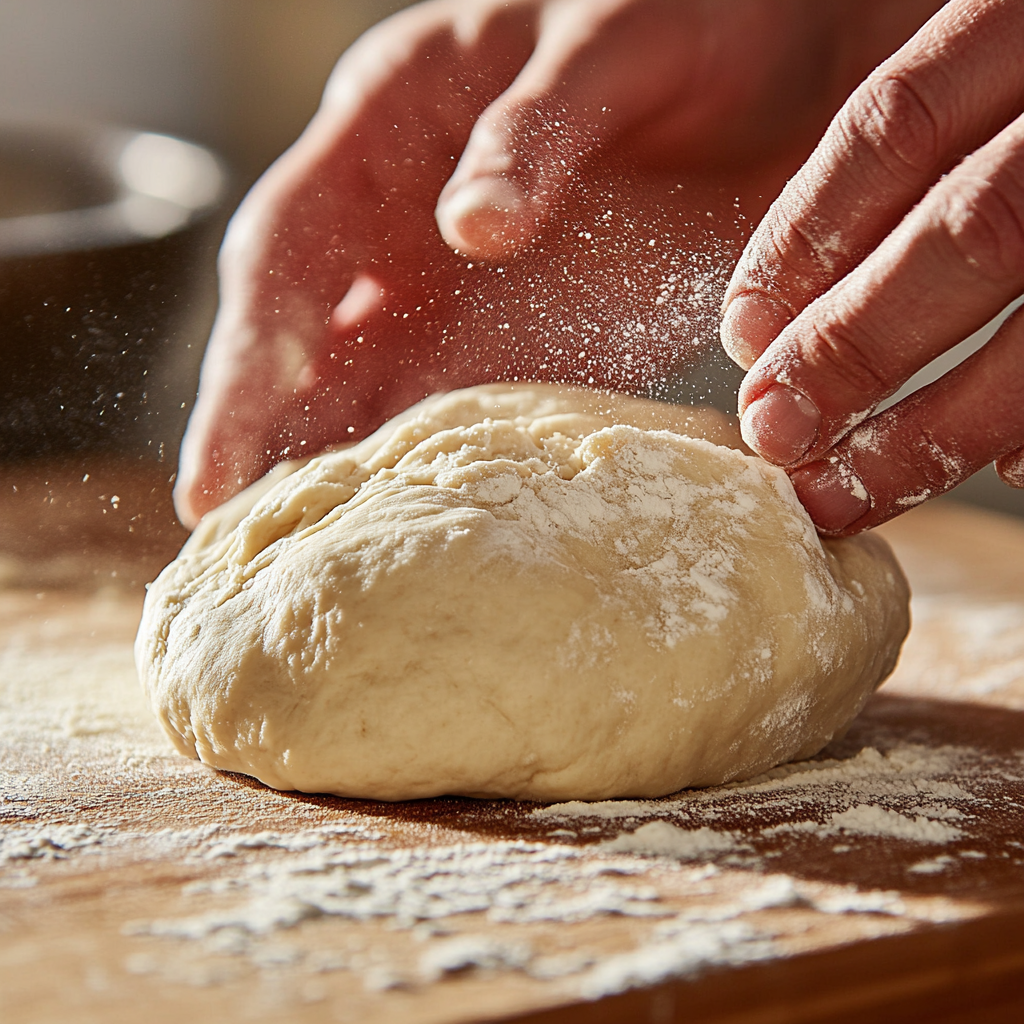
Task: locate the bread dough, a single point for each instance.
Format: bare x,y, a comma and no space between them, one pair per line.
519,591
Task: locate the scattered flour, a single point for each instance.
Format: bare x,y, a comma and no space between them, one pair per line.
466,951
514,882
50,842
932,866
293,842
659,838
873,820
976,648
907,793
598,809
679,951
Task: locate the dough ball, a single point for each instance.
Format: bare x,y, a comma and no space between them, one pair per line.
519,591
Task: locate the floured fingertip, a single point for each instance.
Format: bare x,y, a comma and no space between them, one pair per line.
486,217
1011,468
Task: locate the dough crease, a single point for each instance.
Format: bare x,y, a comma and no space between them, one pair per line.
525,591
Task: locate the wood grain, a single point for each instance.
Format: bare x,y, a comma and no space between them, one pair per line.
104,830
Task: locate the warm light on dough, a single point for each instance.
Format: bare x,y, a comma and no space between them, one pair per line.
524,591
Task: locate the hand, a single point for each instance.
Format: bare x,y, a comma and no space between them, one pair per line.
545,139
901,235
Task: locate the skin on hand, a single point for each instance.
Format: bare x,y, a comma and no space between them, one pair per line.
490,191
901,235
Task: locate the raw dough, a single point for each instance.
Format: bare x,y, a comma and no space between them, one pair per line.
523,591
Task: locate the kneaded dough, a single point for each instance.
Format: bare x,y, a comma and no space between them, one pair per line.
522,591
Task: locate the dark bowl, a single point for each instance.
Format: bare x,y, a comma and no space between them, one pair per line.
107,248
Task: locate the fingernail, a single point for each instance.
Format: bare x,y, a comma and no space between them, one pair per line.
751,322
781,425
485,216
834,496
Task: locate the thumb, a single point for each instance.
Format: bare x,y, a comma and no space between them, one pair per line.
589,77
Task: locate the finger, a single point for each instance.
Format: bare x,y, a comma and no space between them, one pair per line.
355,193
952,86
957,259
530,140
431,324
257,360
925,445
1011,468
217,456
261,403
582,86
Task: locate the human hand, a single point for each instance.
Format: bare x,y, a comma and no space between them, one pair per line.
566,122
901,235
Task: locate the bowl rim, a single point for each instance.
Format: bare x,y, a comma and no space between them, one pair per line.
139,211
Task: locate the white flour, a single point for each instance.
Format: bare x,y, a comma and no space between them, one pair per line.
872,820
906,793
977,650
76,720
512,882
508,883
271,881
315,875
659,838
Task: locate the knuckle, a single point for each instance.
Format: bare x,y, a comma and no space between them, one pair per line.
983,222
908,465
796,248
933,463
783,258
846,356
891,117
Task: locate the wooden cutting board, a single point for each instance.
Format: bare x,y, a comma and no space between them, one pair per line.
883,880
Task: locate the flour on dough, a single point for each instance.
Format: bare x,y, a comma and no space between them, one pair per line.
519,591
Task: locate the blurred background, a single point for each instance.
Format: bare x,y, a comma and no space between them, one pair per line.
242,76
104,314
102,343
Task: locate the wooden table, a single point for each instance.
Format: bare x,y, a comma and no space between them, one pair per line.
882,881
